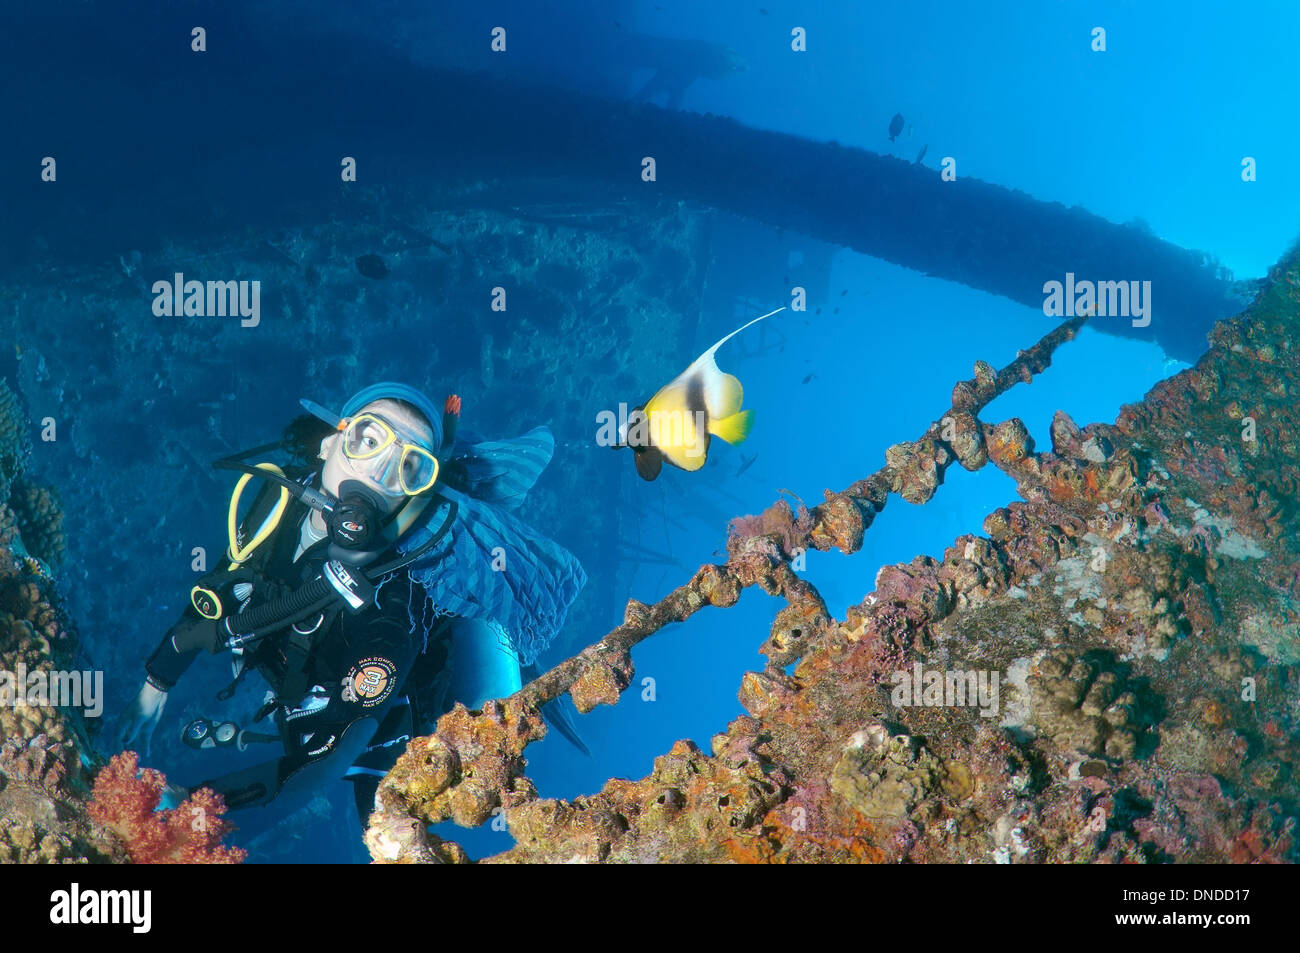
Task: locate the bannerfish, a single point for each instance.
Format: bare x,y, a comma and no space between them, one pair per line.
677,422
895,126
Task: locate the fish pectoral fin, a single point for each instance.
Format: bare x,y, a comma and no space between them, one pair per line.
649,462
733,429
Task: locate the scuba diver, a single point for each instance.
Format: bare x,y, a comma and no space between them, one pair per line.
372,592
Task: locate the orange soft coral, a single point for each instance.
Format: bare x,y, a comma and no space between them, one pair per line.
124,801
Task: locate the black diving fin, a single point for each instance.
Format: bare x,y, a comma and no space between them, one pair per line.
558,713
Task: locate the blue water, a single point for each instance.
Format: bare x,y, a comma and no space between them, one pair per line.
1154,130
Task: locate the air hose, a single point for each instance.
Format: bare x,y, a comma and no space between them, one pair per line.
300,604
336,581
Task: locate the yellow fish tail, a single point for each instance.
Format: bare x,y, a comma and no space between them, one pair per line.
733,429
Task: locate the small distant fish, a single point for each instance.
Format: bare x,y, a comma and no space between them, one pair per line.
763,10
372,266
844,292
895,126
676,423
921,155
808,378
746,464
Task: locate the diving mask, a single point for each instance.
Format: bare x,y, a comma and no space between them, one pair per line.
377,450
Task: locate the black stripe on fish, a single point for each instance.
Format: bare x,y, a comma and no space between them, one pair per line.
695,404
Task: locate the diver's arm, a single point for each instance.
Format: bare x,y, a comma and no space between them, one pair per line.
163,670
193,631
141,717
181,644
178,649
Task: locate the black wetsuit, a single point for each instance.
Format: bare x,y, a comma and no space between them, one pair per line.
343,694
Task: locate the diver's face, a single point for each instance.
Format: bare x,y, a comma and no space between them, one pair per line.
377,473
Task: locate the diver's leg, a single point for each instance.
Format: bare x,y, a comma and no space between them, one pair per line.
313,775
483,663
380,755
259,784
364,789
253,786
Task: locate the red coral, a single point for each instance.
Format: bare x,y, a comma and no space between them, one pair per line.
124,799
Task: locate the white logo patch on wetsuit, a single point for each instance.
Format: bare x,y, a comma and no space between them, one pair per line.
370,681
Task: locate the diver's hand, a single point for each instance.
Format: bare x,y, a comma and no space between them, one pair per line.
142,715
172,797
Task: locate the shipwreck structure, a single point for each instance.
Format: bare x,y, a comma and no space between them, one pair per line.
1139,599
515,145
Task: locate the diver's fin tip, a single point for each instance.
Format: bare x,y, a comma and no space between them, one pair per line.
558,715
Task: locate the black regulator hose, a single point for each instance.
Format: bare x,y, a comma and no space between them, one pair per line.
312,497
300,604
317,595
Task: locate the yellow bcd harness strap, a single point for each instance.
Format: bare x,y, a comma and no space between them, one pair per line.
240,555
204,597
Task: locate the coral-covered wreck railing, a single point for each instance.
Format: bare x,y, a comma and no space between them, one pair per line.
474,764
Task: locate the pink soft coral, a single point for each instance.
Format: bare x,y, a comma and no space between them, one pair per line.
790,528
124,799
